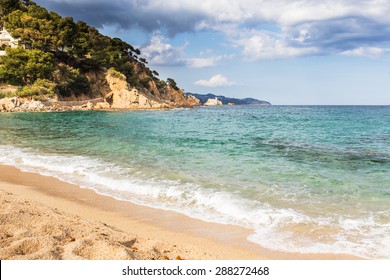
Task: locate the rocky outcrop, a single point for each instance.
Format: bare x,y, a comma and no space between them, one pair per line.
193,101
124,96
213,102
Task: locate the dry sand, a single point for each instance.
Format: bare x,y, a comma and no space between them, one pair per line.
44,218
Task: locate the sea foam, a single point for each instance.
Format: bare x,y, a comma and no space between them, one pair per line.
364,237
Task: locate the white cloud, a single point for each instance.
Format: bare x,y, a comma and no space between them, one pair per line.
260,45
159,52
215,81
372,52
202,62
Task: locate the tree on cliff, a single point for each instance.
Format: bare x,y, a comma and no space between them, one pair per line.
7,6
70,54
24,67
172,83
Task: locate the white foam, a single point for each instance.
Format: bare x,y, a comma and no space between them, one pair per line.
363,237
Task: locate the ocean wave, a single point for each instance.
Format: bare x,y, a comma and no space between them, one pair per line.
275,227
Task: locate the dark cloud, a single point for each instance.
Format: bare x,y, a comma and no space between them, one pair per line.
339,34
125,14
295,30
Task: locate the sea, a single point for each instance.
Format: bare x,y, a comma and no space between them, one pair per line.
308,179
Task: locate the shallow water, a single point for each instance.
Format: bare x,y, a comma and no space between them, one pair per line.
306,179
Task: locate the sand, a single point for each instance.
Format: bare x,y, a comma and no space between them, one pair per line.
44,218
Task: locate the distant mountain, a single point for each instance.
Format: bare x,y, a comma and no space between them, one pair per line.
226,100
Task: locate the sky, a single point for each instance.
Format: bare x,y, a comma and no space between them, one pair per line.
287,52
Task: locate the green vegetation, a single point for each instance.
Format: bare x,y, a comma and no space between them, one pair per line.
115,73
40,90
69,81
24,67
172,83
4,94
7,6
64,52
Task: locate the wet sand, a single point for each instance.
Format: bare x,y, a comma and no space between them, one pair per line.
44,218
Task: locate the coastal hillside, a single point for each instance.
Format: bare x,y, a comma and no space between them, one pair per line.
47,57
226,100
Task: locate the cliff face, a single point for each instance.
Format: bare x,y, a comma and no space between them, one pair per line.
75,72
123,96
110,91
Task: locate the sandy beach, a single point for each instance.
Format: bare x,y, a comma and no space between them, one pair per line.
44,218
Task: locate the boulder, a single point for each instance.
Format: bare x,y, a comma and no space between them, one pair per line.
102,106
9,104
89,106
32,106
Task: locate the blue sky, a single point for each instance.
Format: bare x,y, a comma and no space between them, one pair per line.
284,51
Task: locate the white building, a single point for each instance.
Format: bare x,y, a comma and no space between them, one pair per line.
213,102
7,40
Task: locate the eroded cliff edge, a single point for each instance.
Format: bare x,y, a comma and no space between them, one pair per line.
110,91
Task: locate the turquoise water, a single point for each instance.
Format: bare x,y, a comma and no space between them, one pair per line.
305,179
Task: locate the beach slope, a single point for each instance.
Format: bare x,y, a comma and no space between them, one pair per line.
44,218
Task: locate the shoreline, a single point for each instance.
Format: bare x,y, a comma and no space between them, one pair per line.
185,237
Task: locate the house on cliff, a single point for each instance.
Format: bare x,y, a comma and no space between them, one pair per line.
7,40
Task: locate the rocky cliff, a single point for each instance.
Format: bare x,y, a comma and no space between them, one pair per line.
63,66
123,96
110,91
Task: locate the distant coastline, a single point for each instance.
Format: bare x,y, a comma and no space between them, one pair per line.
228,100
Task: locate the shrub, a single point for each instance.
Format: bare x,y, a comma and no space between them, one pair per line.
116,74
40,90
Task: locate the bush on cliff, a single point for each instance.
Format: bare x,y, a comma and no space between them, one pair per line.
42,89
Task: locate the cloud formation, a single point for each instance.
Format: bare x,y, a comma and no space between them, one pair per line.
261,45
215,81
371,52
299,27
159,52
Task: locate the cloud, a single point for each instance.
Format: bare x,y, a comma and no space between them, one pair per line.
149,15
261,45
339,34
159,52
301,27
371,52
215,81
202,62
